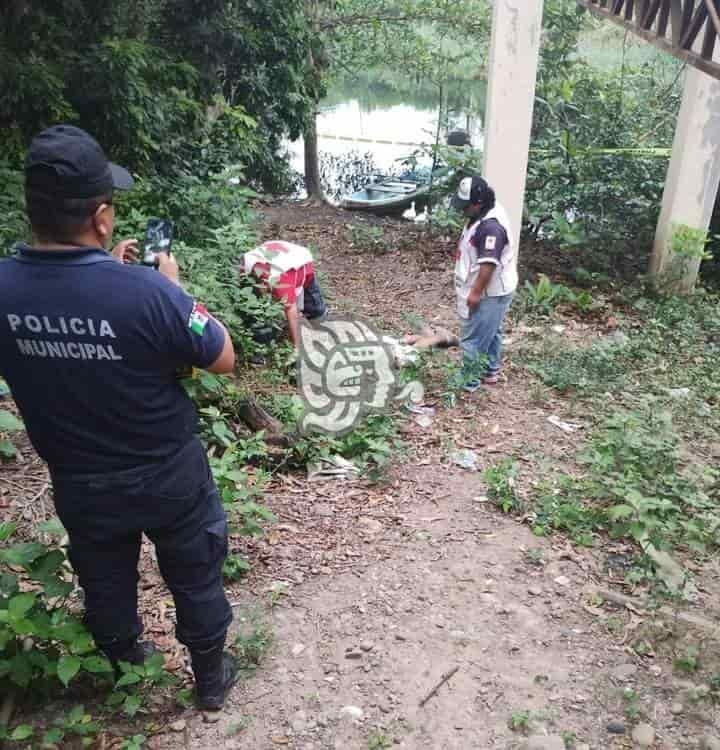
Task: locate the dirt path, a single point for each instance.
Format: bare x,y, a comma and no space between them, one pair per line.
387,589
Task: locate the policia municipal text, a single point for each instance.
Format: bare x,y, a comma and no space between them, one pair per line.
90,347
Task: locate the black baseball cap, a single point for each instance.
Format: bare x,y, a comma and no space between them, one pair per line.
469,191
66,162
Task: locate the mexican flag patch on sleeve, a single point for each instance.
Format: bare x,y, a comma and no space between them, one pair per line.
198,319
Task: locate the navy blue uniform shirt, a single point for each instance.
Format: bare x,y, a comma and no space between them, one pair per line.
489,240
90,349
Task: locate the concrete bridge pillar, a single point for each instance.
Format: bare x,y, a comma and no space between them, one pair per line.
691,184
514,54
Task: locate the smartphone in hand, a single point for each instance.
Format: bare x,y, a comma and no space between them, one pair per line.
158,239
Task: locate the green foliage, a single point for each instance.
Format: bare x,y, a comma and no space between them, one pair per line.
134,743
13,223
544,296
519,721
501,482
45,648
687,242
636,482
676,347
368,238
687,246
379,741
634,487
688,662
9,423
557,506
166,86
600,144
61,648
370,445
584,370
255,55
460,372
253,640
214,229
635,472
235,568
148,99
632,704
218,401
422,39
136,682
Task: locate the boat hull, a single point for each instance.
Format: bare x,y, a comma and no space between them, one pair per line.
392,196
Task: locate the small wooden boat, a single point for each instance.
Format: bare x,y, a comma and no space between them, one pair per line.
392,195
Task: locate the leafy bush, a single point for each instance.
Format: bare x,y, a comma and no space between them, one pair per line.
634,487
584,370
369,446
544,296
600,144
634,471
9,424
13,222
368,238
501,482
41,643
166,87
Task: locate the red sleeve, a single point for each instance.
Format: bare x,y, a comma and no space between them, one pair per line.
285,288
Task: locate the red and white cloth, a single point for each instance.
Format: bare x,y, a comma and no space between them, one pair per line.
287,269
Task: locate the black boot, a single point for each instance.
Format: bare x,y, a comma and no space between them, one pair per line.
215,673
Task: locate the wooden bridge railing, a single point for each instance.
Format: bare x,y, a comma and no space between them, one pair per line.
687,29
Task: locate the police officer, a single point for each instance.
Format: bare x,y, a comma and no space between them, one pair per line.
90,348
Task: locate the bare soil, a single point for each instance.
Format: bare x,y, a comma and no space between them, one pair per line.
375,592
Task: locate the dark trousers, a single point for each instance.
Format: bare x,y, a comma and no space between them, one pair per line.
314,306
176,504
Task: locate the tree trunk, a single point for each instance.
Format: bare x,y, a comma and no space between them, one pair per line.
256,418
313,186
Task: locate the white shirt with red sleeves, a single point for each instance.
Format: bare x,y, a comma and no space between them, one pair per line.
285,267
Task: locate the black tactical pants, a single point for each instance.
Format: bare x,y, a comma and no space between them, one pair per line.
177,506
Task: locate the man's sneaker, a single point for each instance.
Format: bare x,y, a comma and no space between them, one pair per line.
211,697
492,379
471,386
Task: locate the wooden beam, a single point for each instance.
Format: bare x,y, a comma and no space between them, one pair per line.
676,20
693,29
708,45
664,18
650,14
712,6
686,55
687,11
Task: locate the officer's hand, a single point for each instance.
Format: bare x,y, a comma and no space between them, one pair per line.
168,267
125,251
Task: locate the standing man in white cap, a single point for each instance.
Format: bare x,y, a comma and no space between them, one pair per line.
485,280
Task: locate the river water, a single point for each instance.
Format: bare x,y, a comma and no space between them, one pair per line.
371,130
